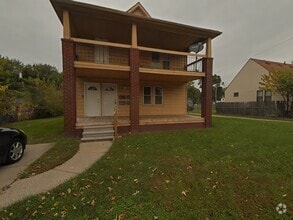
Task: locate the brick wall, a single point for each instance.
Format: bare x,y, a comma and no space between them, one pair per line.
69,87
207,88
134,90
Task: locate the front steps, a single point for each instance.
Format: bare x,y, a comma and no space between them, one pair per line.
98,133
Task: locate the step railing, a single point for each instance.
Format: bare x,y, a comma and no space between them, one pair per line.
115,122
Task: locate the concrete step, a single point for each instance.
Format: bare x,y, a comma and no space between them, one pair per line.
98,132
90,132
104,138
99,127
98,135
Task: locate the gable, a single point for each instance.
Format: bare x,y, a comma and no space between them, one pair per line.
245,83
139,10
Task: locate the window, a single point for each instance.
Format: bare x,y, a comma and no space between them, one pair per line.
152,93
166,62
268,96
155,60
259,95
236,94
158,95
147,95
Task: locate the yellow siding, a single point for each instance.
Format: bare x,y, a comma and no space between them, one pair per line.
174,97
79,97
123,89
174,100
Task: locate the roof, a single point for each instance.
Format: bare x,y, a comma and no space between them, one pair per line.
273,66
183,35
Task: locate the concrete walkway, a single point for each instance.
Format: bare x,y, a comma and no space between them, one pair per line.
9,173
88,154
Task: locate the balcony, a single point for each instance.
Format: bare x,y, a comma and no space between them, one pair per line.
112,56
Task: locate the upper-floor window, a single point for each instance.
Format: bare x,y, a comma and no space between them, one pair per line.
155,60
166,61
236,94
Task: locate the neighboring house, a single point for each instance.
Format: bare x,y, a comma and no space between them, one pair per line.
245,86
131,70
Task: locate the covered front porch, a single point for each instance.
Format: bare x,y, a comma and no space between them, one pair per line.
144,121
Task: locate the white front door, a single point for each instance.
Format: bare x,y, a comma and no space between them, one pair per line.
109,93
92,101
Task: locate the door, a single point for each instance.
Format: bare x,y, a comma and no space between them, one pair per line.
101,54
109,93
92,101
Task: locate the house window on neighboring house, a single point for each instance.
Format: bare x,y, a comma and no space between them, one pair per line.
268,96
236,94
259,95
147,95
155,60
158,95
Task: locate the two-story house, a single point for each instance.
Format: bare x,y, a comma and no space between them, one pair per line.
245,85
130,70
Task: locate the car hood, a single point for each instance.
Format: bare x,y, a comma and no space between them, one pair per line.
2,129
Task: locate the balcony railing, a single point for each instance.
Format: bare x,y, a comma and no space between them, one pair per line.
100,52
166,61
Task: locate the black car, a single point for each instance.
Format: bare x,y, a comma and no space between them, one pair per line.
12,145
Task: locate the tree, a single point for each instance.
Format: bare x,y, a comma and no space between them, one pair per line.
24,88
193,93
218,91
279,82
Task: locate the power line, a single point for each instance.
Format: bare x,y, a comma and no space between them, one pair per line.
258,53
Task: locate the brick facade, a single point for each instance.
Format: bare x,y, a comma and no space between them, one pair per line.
134,90
207,89
69,85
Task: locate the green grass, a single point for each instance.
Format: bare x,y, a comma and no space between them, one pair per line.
41,130
47,131
239,169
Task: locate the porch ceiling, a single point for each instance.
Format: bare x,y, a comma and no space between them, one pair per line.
89,21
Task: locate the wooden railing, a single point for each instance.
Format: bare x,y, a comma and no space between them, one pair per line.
102,52
115,122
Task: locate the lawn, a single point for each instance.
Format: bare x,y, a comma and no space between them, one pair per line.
47,131
239,169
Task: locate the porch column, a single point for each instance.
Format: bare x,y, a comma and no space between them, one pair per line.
69,79
134,90
207,88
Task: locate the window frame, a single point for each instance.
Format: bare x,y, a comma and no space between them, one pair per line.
151,94
259,98
236,94
162,95
266,96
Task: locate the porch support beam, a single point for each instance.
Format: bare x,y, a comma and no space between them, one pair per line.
66,25
134,90
206,99
69,90
209,48
134,36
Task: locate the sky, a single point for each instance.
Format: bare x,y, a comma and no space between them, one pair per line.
30,30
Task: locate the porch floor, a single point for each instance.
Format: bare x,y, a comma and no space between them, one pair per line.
144,120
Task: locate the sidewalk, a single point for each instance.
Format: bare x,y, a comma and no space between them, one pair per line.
88,154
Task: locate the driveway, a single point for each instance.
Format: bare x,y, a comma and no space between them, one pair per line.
8,173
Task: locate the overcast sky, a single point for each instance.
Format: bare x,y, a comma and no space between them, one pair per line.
30,30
